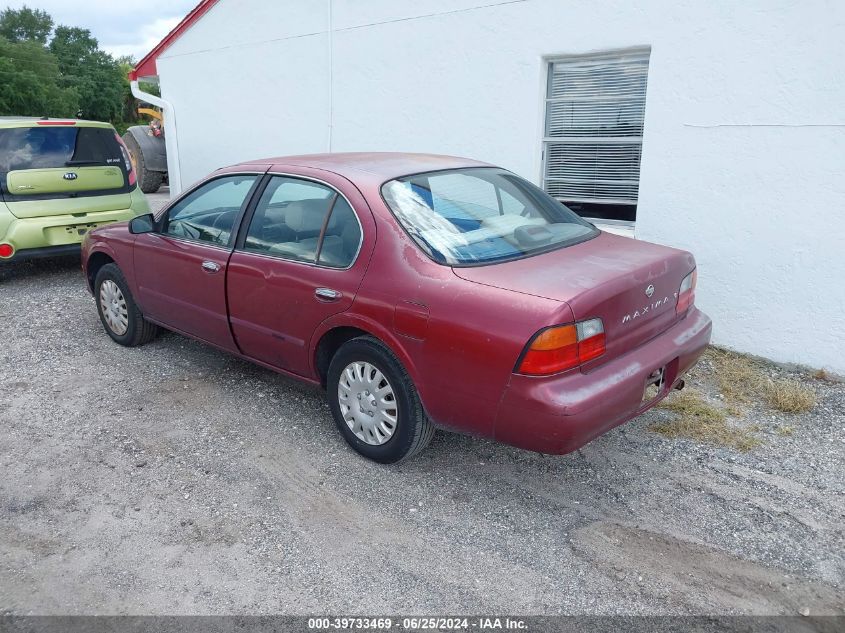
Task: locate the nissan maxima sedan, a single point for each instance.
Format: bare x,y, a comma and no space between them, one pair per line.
419,291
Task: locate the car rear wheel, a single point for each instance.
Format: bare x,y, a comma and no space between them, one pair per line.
375,404
118,312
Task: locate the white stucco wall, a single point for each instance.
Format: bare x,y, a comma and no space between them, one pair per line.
744,144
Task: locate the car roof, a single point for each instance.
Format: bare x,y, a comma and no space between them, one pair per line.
386,165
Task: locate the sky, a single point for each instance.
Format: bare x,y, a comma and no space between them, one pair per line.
122,27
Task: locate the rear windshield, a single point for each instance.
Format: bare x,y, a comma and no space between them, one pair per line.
481,215
45,147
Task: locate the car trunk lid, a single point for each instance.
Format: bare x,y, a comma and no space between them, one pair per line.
631,285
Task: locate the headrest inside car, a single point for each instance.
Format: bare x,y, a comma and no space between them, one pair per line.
305,216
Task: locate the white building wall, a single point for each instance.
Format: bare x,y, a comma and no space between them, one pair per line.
744,145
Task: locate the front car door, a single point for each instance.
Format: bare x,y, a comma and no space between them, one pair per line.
299,259
181,268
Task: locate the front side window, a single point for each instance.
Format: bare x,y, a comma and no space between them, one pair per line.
209,212
304,221
481,216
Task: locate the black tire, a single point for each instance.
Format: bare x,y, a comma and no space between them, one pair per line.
138,330
148,181
413,430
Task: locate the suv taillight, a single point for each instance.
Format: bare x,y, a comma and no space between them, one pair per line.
562,347
686,294
127,157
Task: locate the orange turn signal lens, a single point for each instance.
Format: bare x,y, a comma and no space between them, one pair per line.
555,338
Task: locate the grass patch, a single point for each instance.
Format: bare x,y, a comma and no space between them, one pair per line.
740,379
790,396
821,374
825,376
744,383
699,420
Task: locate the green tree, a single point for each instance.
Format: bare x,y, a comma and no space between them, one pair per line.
69,76
72,47
130,103
25,24
96,76
29,82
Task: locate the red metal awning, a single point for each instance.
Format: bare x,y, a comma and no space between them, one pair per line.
147,66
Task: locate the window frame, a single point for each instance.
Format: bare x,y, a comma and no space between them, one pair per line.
163,215
548,62
249,213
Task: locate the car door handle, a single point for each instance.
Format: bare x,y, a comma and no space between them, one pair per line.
210,267
327,294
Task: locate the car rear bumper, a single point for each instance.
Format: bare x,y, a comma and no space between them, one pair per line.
56,234
41,253
559,414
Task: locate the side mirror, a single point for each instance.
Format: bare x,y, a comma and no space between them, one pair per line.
142,224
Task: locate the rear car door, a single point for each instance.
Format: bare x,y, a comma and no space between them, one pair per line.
299,259
181,268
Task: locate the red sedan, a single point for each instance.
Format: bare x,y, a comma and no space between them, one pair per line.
418,290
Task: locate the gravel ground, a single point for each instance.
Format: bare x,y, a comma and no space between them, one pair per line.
174,479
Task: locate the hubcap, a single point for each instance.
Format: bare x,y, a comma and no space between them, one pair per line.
367,403
113,307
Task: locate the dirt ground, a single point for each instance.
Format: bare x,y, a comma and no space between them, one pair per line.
173,479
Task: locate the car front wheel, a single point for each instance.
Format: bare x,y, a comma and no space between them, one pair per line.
119,314
375,404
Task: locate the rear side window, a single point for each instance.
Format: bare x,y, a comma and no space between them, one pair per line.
58,147
304,221
342,237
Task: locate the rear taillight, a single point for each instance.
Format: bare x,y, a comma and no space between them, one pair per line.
686,293
562,347
6,250
127,157
47,122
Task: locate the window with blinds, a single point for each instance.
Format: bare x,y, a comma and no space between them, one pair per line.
593,132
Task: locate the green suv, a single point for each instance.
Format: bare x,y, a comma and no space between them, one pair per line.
58,180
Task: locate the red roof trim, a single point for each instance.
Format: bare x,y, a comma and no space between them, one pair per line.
147,66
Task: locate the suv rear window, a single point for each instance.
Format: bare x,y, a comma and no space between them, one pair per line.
58,147
485,215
